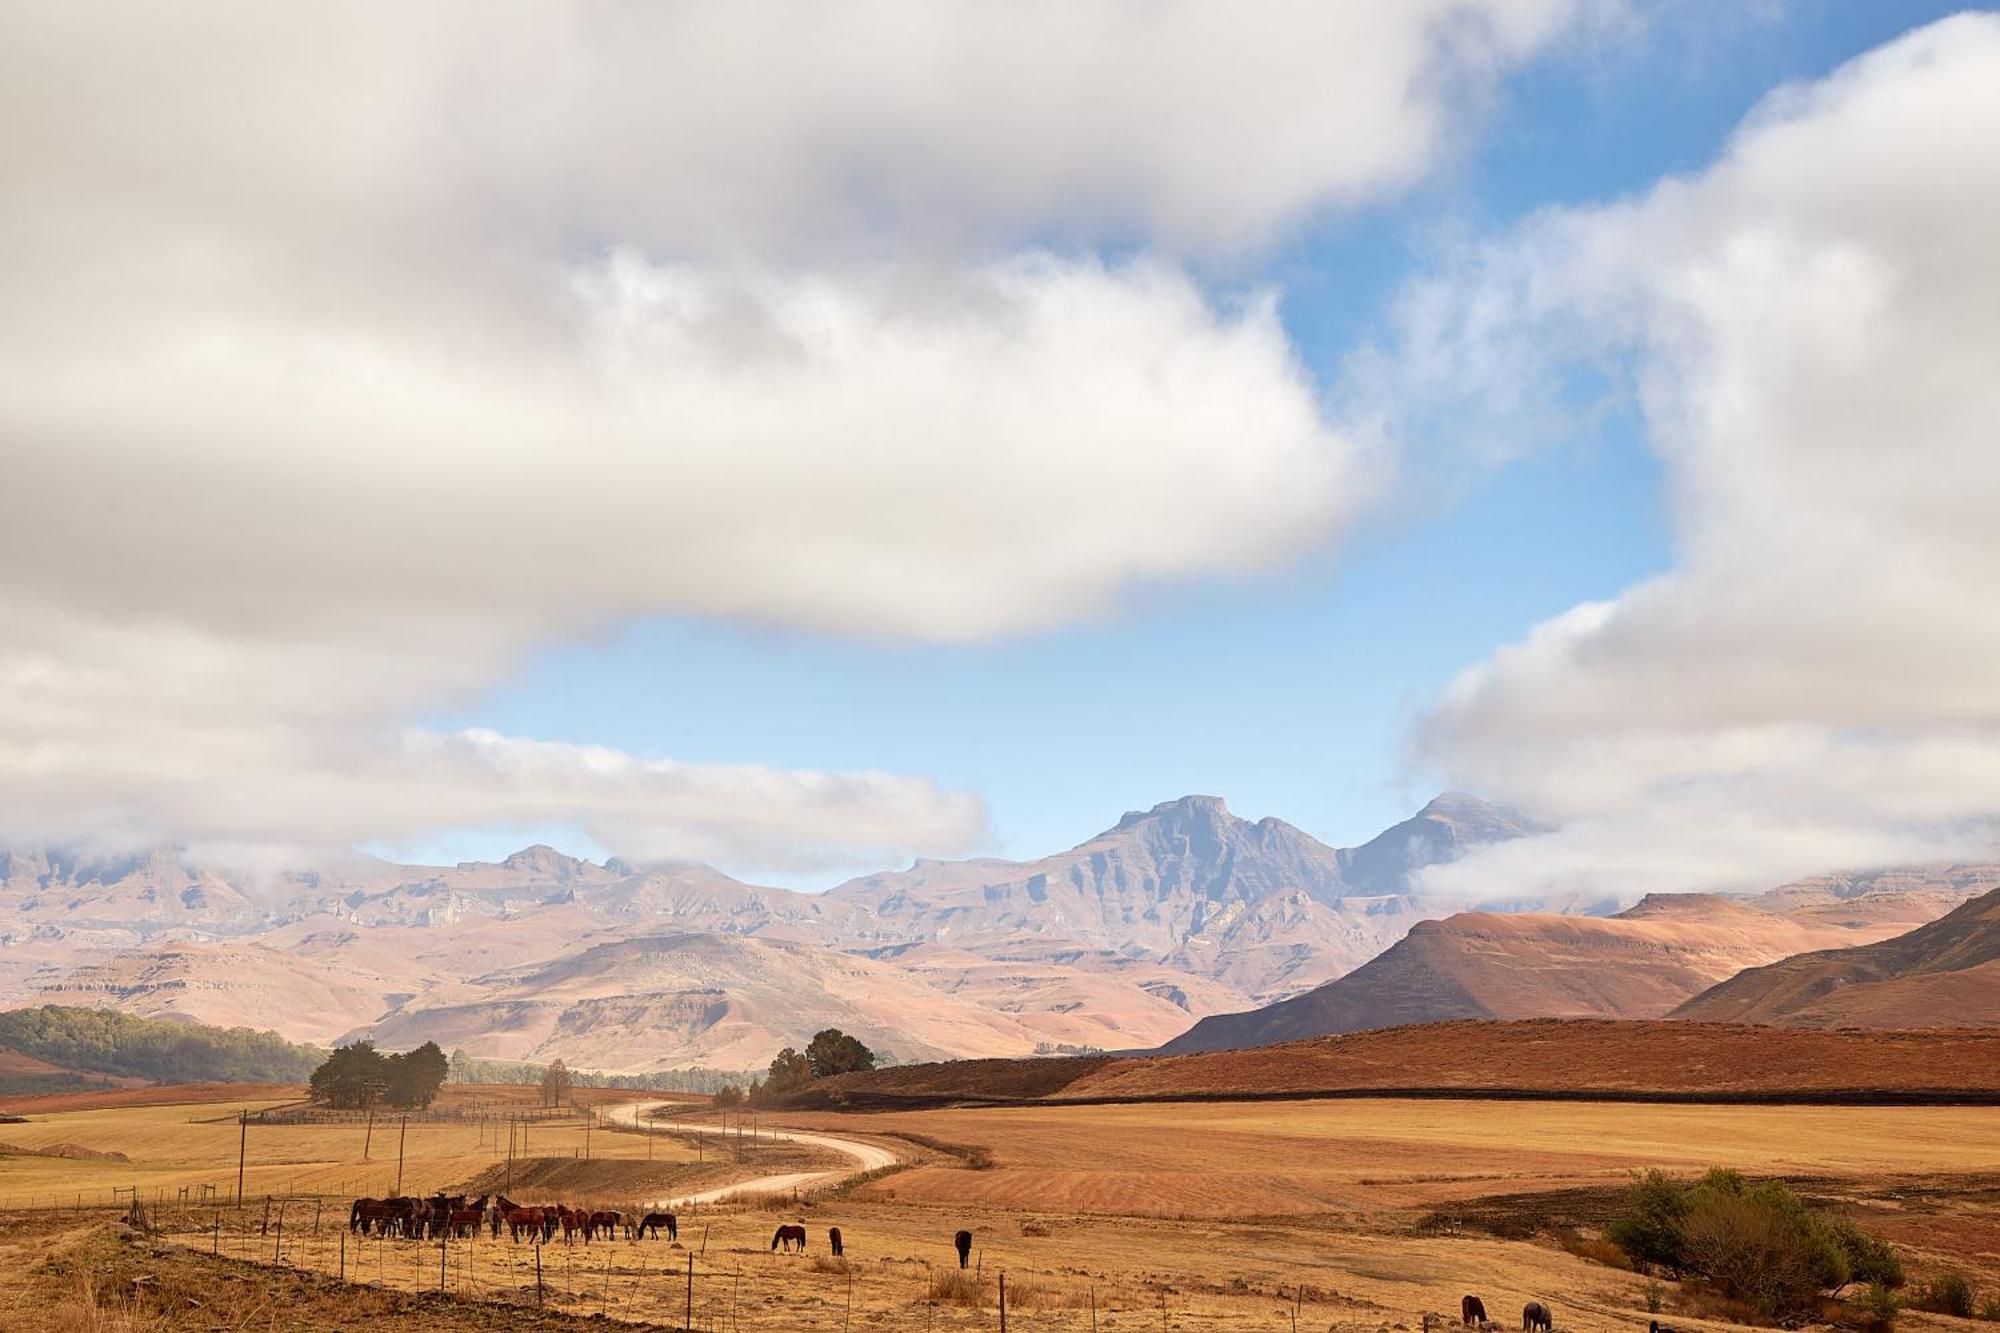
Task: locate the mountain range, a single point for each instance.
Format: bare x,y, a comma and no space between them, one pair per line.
1170,917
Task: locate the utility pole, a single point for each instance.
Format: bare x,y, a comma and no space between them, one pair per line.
369,1140
242,1144
402,1135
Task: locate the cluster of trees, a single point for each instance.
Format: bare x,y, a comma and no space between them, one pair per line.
104,1041
359,1076
830,1052
1756,1243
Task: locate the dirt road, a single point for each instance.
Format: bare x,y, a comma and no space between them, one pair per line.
866,1156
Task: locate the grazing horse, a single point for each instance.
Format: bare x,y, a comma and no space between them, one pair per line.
1471,1311
604,1220
833,1239
788,1236
962,1242
654,1221
1535,1315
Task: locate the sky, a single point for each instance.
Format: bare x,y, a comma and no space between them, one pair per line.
807,441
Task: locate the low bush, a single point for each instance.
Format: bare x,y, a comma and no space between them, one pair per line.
1757,1244
956,1286
1989,1306
1877,1307
1948,1293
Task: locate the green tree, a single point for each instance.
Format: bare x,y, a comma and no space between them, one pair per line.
789,1072
415,1076
352,1077
729,1095
832,1051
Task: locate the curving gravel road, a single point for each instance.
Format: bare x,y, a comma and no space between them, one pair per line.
866,1156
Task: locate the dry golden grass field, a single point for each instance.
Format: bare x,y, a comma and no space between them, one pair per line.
1357,1216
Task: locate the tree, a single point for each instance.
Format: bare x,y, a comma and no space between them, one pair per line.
556,1084
415,1076
461,1066
729,1095
832,1051
352,1077
790,1071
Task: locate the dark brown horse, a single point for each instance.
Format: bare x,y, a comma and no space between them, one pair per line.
654,1221
604,1220
962,1242
833,1240
1535,1315
788,1236
520,1221
1471,1310
465,1219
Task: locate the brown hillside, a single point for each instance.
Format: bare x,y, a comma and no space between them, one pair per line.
1539,1057
1945,974
1639,964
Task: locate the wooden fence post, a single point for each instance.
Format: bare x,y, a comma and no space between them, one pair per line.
1003,1301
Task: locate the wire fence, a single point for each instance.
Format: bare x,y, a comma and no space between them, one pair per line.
715,1279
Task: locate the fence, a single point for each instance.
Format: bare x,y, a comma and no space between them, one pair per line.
716,1279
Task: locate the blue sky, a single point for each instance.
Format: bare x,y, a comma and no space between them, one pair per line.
1291,694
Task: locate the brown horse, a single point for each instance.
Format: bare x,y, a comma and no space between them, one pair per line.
1471,1311
833,1240
465,1219
654,1221
521,1221
604,1220
962,1242
788,1236
1535,1315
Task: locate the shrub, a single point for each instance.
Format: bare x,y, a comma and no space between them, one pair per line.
1878,1307
1652,1227
956,1286
1989,1307
1949,1293
1656,1297
1031,1227
1869,1258
827,1263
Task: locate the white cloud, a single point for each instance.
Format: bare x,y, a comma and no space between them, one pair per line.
348,354
1809,327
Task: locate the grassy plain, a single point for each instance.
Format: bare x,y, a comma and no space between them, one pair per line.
1356,1216
1374,1157
173,1146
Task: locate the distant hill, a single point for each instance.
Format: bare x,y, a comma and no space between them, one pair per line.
85,1045
1638,964
1174,913
1260,907
1945,974
1641,1059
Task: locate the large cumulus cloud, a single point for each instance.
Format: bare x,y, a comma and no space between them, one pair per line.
349,354
1808,327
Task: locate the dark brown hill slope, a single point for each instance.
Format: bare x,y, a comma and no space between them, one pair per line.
1580,1058
1945,974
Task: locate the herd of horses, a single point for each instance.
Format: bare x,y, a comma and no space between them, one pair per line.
452,1215
1536,1317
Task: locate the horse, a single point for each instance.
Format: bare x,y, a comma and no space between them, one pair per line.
1535,1315
833,1239
435,1214
572,1220
962,1242
521,1220
462,1222
402,1216
1471,1311
654,1221
605,1220
788,1235
364,1212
